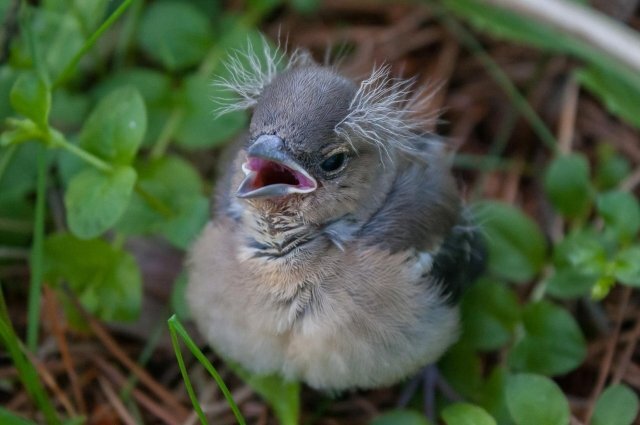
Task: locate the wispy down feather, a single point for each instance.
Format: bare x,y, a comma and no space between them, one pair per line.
251,70
385,112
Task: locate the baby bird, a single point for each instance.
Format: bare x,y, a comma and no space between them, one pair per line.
338,245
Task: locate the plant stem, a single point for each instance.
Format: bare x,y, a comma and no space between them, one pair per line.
82,154
68,70
35,287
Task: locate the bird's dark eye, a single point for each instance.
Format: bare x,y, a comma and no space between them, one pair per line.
334,162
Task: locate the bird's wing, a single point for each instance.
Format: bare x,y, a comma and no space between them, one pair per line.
422,212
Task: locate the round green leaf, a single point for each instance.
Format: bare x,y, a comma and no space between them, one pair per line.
59,36
581,250
172,203
466,414
30,96
617,405
567,185
400,417
627,266
612,167
552,343
621,213
492,395
536,400
116,126
201,128
106,280
462,368
95,200
517,248
175,33
570,283
490,313
156,90
8,77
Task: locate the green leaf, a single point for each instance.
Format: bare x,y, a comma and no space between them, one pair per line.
105,279
69,109
95,200
618,95
568,283
612,167
19,177
200,127
31,97
517,249
90,12
567,185
462,368
581,250
617,405
492,395
466,414
400,417
627,266
621,213
8,77
490,313
116,126
58,35
177,210
156,90
552,343
536,400
175,33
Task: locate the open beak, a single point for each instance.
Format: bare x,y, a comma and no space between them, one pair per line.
271,172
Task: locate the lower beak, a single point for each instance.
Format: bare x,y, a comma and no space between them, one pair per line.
271,172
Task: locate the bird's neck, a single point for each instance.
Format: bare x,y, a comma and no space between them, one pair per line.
277,233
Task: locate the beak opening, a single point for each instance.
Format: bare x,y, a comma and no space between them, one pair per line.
270,172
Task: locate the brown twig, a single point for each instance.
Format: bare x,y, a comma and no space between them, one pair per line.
112,346
51,311
167,416
567,122
605,365
625,358
115,402
50,382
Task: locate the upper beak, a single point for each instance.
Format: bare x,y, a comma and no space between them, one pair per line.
271,172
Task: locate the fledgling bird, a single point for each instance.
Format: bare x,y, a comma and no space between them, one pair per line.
338,245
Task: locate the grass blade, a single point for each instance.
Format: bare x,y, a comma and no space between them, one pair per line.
35,287
26,371
71,66
176,328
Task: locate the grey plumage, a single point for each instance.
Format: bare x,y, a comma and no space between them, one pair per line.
326,261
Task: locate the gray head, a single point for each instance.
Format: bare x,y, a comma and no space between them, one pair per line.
320,144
